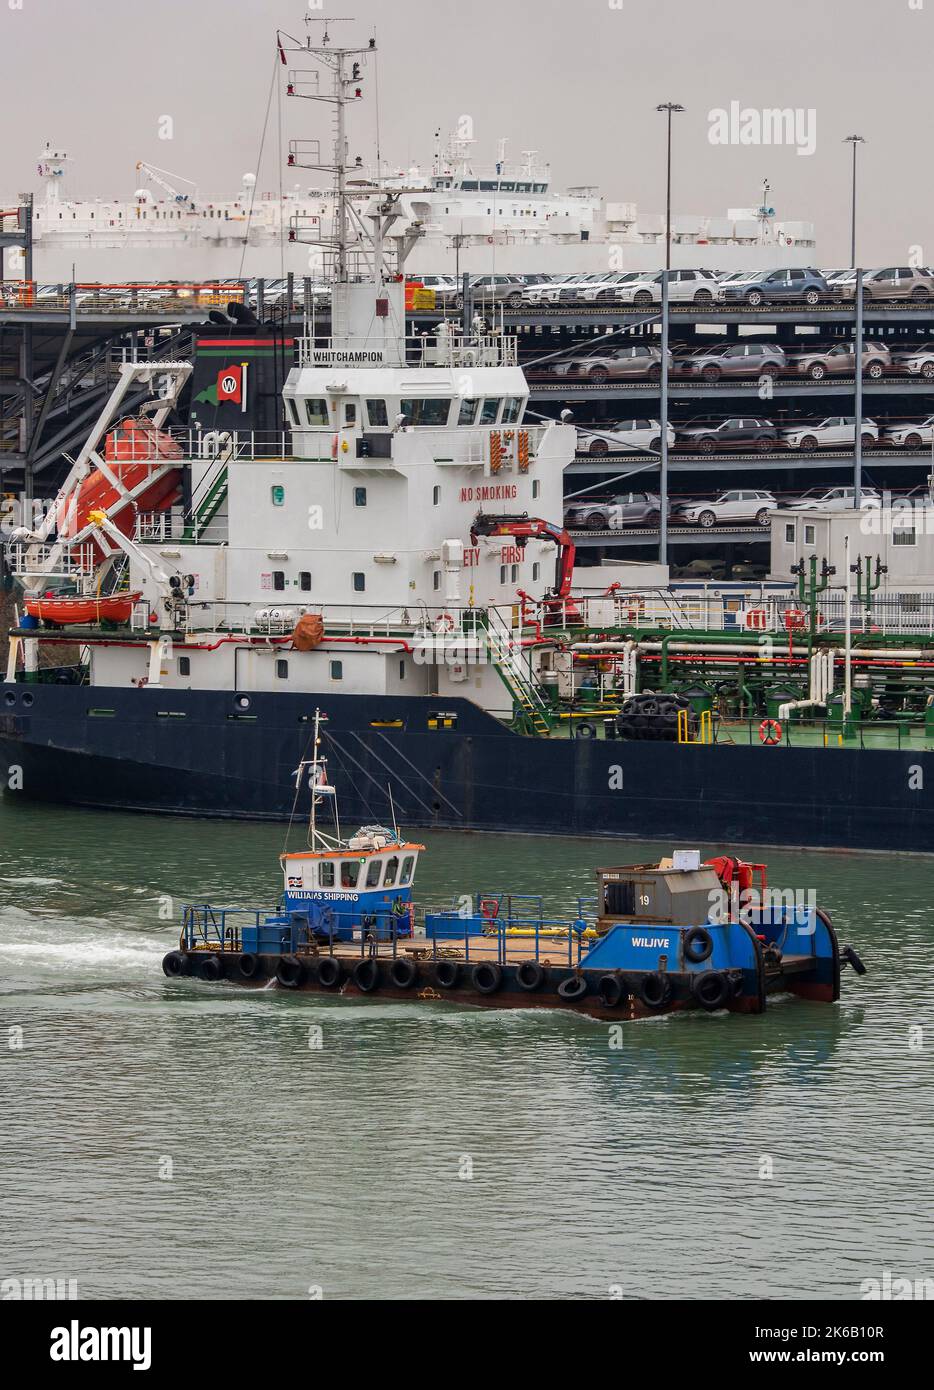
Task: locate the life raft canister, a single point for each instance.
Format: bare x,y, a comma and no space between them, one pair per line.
770,732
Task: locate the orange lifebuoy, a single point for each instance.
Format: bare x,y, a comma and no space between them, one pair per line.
795,620
770,732
444,623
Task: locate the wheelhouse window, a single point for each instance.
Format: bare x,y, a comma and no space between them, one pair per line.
373,872
350,872
292,410
316,412
425,410
377,414
325,873
512,409
467,413
408,866
392,870
489,411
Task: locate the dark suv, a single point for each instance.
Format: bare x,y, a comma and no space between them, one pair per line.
708,437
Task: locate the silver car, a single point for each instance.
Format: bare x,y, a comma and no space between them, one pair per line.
742,359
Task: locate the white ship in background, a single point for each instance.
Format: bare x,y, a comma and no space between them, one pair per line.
505,217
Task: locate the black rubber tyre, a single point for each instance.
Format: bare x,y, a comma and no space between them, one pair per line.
712,990
875,370
211,968
447,973
366,975
764,517
330,972
707,520
612,990
912,441
530,975
654,990
290,972
573,988
598,375
711,373
817,371
754,298
403,972
698,945
175,965
599,446
486,978
251,967
808,444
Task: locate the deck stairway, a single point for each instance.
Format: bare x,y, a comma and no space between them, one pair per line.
530,709
205,508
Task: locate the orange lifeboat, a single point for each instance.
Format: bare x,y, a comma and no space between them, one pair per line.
133,450
64,611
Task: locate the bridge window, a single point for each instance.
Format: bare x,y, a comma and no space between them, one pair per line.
316,412
512,409
377,414
325,873
467,413
293,412
408,864
373,872
392,869
425,411
489,411
350,872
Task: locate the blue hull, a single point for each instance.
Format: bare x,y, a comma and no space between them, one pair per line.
199,753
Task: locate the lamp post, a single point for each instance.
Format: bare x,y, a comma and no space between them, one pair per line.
669,107
853,140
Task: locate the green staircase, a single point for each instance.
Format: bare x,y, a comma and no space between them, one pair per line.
530,710
208,507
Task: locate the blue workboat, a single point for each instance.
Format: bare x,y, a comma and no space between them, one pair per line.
656,939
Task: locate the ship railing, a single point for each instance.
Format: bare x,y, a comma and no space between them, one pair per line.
448,349
25,558
217,927
155,528
137,297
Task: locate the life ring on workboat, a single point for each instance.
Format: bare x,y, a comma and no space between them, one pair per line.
444,623
770,732
586,730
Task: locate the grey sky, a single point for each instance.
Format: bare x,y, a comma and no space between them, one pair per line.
576,79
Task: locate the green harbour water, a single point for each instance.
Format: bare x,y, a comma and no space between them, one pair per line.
178,1140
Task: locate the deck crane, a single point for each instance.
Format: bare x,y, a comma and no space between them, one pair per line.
162,176
522,528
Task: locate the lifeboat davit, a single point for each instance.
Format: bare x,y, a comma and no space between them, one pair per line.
134,450
62,611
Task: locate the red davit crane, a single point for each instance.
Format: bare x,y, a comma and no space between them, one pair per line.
522,528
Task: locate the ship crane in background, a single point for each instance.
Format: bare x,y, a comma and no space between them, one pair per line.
522,528
161,178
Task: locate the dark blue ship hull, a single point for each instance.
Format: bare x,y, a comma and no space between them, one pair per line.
204,753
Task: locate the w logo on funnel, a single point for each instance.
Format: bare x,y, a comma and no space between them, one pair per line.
230,384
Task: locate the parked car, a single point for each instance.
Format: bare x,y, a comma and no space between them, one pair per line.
743,359
707,437
898,282
603,291
496,289
684,287
611,364
446,287
770,286
626,509
833,432
730,509
916,361
834,498
547,291
839,359
910,434
623,435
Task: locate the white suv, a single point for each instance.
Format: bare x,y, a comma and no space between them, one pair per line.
730,508
836,431
623,435
836,497
911,434
684,287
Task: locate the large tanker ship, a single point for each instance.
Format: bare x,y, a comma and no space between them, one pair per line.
394,556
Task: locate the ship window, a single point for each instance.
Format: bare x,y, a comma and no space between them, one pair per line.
392,870
809,534
359,582
373,872
789,533
489,411
359,496
350,872
467,413
377,414
293,413
536,570
425,411
512,409
903,535
514,575
402,670
436,494
436,580
304,579
325,873
277,495
350,413
316,412
337,670
278,579
282,669
536,488
502,574
408,865
184,665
